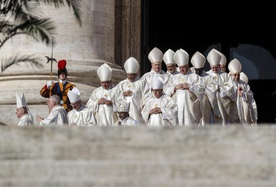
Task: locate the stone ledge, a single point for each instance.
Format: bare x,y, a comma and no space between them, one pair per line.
138,156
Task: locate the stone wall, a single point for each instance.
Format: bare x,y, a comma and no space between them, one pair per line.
211,156
110,33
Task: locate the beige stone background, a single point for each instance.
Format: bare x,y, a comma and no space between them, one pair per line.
85,48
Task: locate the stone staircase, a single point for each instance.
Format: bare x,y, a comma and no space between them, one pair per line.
210,156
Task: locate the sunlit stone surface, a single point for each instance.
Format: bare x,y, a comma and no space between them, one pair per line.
84,47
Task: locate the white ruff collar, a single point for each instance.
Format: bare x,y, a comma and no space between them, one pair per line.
63,82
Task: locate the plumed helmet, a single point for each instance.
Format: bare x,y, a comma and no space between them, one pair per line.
131,65
62,67
198,60
155,55
234,66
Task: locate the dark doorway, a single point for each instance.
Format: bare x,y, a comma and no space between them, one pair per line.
195,26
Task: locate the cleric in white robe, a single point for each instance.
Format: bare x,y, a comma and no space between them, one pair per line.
122,109
186,89
22,111
245,104
159,109
168,58
198,61
80,115
57,116
103,98
155,57
251,116
133,89
219,90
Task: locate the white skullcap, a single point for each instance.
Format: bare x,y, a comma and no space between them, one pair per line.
244,77
234,66
156,82
214,57
131,65
74,95
20,101
223,59
123,106
181,57
104,72
198,60
168,57
155,55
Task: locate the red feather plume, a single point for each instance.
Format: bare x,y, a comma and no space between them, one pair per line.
62,64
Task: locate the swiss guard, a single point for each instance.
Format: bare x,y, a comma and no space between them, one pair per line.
60,88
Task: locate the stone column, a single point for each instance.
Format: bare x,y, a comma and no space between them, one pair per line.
84,47
127,30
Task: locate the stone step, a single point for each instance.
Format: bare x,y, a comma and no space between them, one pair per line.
138,156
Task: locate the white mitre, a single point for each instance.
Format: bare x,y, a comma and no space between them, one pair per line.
156,82
244,77
20,101
104,72
181,57
198,60
168,57
234,66
131,65
155,55
214,57
123,106
223,59
74,95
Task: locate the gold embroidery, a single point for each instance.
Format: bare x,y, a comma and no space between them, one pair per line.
105,95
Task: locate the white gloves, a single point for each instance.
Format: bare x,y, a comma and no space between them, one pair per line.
49,84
